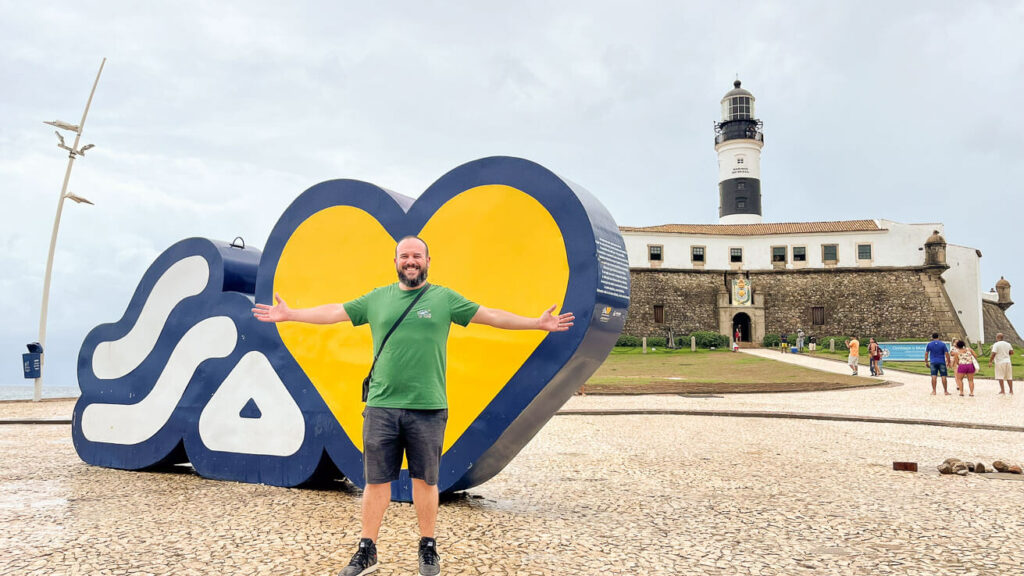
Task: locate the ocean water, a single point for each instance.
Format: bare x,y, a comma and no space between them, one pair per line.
25,392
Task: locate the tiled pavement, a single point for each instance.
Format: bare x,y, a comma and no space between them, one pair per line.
637,494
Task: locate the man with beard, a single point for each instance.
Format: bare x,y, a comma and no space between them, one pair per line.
407,407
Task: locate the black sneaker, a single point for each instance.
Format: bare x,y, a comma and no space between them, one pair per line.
430,562
363,561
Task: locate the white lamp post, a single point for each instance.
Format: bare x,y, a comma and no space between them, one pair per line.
73,151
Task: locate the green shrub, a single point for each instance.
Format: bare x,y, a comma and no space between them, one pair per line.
631,341
771,341
708,339
656,342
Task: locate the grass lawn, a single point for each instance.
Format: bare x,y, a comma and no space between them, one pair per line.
919,367
629,371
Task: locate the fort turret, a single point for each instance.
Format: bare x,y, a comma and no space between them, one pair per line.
935,252
1003,291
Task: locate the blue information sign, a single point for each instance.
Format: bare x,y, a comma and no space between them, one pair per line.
905,351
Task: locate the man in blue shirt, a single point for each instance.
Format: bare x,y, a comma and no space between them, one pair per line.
936,357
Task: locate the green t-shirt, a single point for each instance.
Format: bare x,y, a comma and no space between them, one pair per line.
410,373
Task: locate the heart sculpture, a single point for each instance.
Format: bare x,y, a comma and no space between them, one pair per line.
188,374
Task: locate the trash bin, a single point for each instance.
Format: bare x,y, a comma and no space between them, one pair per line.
33,361
33,364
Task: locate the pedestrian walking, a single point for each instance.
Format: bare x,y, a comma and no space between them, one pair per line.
874,355
882,353
854,358
406,403
1000,354
964,358
936,357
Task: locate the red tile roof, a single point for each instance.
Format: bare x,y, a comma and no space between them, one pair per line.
762,229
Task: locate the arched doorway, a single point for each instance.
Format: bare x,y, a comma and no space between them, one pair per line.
741,322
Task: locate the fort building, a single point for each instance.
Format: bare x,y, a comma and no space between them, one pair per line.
878,277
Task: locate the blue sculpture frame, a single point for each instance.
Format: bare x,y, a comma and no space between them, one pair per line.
545,381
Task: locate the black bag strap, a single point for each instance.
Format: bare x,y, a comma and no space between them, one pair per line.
395,325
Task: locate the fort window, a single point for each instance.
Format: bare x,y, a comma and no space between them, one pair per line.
741,185
799,254
741,202
739,159
654,253
830,253
818,315
736,255
778,254
697,254
863,251
659,314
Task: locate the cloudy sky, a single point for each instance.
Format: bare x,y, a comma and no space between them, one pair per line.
211,117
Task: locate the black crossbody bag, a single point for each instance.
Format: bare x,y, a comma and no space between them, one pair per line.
366,381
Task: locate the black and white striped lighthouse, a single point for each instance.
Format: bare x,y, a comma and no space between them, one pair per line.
738,141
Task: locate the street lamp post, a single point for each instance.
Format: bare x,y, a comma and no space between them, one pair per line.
73,151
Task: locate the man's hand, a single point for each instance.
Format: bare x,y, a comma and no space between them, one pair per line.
552,323
267,313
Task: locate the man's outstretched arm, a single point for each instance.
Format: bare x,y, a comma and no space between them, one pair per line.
509,321
325,314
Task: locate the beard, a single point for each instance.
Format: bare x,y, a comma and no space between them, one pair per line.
415,281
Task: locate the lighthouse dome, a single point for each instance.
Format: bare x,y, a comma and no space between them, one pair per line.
737,104
737,91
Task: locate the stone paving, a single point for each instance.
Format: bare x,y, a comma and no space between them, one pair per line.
637,494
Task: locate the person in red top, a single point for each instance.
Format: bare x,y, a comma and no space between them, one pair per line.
874,355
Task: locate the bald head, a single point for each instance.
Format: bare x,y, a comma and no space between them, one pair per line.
411,243
999,336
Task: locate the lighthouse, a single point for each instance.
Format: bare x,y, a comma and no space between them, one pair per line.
738,141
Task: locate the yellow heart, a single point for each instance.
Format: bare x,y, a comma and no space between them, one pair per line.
494,244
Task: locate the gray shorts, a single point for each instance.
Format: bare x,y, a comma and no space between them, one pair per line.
390,432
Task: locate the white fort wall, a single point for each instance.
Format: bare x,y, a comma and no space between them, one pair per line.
963,284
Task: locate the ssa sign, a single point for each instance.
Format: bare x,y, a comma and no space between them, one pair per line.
188,374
